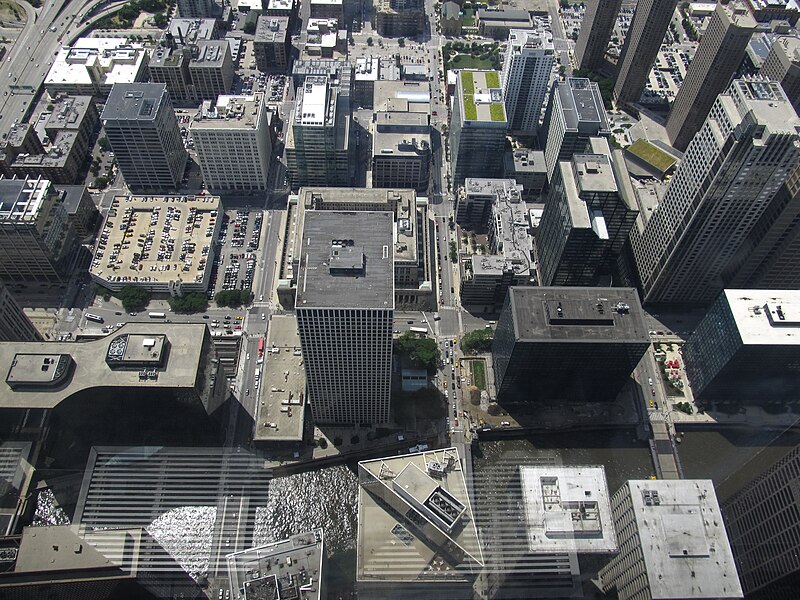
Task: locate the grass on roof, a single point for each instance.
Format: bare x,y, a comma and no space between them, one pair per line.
467,82
470,110
652,155
498,112
492,79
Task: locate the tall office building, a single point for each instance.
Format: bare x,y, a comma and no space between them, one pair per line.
272,43
645,35
783,65
745,349
526,73
716,60
193,71
345,307
141,127
587,218
575,112
596,29
233,142
672,543
732,173
763,522
317,141
773,244
198,8
15,326
478,126
37,241
576,343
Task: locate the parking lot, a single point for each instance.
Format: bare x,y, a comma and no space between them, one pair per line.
237,245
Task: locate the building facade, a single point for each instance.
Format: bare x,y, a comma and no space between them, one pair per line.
576,343
695,241
271,43
345,308
69,132
744,350
526,74
142,128
398,18
507,261
589,213
717,58
596,29
642,43
15,326
233,142
763,522
478,126
317,141
782,64
193,72
401,150
37,241
575,112
672,543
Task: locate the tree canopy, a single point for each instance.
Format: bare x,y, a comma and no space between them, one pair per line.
479,340
233,298
422,351
190,303
134,298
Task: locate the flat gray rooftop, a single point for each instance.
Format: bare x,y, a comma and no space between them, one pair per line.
683,540
290,568
139,101
567,509
580,314
280,406
91,369
346,260
581,102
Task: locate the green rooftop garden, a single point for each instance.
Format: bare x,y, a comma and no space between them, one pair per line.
652,155
492,79
470,110
498,112
468,82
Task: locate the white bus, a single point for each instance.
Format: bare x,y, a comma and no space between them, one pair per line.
422,330
95,318
157,315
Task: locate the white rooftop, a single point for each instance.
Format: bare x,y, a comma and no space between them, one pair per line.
766,316
567,509
117,59
311,110
683,539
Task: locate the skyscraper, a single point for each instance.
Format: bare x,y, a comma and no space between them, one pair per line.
575,112
718,56
37,241
15,326
763,522
526,73
773,245
478,126
588,215
645,35
576,343
732,172
783,65
345,306
745,349
142,128
233,142
596,29
317,139
672,543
